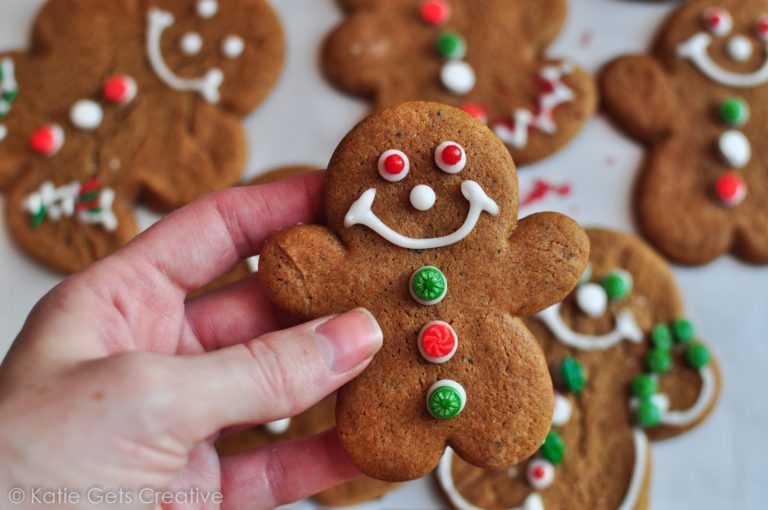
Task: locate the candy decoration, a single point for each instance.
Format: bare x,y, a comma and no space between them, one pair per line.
661,336
451,46
735,149
592,299
393,165
683,330
540,474
446,399
739,48
86,115
191,43
734,111
718,21
762,28
573,375
730,189
9,89
697,355
659,361
450,157
91,202
644,386
206,9
458,77
617,284
47,140
648,414
422,197
438,342
553,448
233,46
477,111
119,89
435,12
428,285
562,412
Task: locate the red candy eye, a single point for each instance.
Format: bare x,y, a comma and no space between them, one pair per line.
119,89
450,157
47,140
762,28
718,21
393,165
435,12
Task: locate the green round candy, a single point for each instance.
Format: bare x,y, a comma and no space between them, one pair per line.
661,336
647,414
617,284
697,355
659,361
683,330
428,285
451,46
573,375
734,111
644,386
445,402
553,448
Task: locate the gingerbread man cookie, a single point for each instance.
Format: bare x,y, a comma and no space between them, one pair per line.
313,421
421,203
487,57
122,101
628,367
695,101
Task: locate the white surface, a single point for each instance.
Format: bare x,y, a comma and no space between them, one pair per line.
722,465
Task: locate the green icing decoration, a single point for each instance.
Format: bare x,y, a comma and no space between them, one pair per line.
683,330
697,355
659,361
734,111
648,414
450,45
644,386
553,448
429,284
617,284
445,403
573,375
38,217
661,336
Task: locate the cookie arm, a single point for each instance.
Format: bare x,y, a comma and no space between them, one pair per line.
637,93
296,267
548,254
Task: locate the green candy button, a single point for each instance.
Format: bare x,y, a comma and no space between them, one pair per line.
697,355
617,284
734,111
644,386
428,285
573,375
659,361
553,448
446,399
648,414
661,336
683,330
451,46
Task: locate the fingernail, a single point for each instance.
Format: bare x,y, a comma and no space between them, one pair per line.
349,339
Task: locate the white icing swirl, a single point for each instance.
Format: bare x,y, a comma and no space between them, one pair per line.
696,49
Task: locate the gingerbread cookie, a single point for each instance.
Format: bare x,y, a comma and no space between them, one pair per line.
695,101
126,100
313,421
421,203
486,57
628,368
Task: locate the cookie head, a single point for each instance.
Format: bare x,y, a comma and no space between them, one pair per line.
421,176
198,46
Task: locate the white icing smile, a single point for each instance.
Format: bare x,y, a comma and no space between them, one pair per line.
360,213
696,49
626,329
207,86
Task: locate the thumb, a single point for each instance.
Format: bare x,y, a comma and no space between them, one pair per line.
277,375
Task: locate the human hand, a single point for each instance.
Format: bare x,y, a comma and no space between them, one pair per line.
115,381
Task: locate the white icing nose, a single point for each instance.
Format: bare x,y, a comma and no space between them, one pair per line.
422,197
592,299
740,48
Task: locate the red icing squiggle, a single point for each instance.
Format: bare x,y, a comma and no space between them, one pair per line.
541,189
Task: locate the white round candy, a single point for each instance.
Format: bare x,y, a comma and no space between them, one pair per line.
233,46
422,197
3,132
563,411
207,9
86,114
740,48
540,474
592,299
735,149
278,427
458,77
191,43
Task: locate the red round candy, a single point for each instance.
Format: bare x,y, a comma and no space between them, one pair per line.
730,188
539,472
47,140
435,12
438,342
119,89
452,154
476,111
394,164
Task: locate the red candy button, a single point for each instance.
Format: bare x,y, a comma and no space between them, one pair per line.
393,165
438,342
120,89
47,140
452,154
730,188
450,157
435,12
